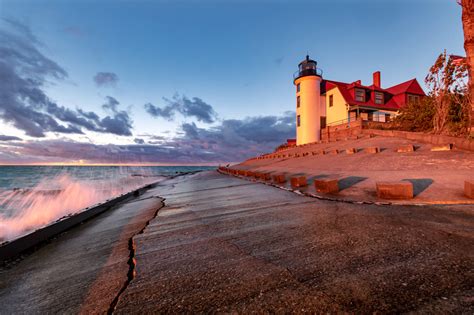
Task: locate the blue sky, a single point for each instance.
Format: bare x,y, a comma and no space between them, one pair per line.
236,56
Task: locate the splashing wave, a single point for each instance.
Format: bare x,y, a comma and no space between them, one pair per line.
52,199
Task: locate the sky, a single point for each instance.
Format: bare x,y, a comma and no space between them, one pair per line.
192,82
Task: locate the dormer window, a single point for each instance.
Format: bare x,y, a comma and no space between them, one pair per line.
378,98
360,95
413,99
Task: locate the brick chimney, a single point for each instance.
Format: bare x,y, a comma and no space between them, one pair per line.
376,77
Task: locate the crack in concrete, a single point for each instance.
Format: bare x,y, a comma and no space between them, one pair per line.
132,263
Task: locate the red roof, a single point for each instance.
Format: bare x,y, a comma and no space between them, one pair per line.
392,102
410,86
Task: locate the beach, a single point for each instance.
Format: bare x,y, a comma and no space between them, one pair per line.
209,242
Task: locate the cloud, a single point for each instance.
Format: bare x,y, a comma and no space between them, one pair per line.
104,79
24,72
231,140
9,138
194,107
119,123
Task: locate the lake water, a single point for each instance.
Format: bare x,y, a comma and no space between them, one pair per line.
34,196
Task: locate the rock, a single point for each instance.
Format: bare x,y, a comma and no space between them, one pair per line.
326,185
372,150
299,181
394,190
469,189
279,178
406,148
445,147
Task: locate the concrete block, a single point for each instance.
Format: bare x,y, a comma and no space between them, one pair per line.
469,189
394,190
326,185
372,150
406,148
445,147
351,151
279,178
299,181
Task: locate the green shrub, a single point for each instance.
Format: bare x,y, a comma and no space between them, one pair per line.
417,116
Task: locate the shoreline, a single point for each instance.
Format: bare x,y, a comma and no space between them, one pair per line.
31,240
209,242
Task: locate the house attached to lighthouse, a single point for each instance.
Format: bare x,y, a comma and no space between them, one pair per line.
321,103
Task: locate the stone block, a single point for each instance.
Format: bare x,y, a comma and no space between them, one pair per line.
279,178
469,189
372,150
299,181
394,190
327,185
406,148
444,147
351,151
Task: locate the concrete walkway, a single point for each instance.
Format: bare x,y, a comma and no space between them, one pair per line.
222,244
82,270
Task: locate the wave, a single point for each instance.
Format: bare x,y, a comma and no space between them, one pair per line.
29,209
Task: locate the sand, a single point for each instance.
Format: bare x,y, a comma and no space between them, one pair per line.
438,177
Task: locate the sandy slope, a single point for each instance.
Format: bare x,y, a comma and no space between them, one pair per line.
438,176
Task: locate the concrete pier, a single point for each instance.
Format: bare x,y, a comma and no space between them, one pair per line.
224,244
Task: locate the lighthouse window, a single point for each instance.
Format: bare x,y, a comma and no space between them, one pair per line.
297,101
298,87
378,98
298,120
359,95
331,101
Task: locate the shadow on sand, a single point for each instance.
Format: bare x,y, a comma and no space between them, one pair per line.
419,184
350,181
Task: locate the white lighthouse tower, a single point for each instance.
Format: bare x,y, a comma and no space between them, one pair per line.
308,102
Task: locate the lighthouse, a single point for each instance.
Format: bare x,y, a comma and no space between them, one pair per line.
308,102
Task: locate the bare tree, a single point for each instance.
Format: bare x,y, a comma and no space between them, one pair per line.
446,82
468,27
